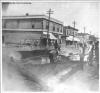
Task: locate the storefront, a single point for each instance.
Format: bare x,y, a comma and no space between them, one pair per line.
51,36
70,40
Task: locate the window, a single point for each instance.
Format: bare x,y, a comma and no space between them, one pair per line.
3,23
57,29
47,27
2,39
33,26
53,28
67,32
36,24
73,33
61,30
12,24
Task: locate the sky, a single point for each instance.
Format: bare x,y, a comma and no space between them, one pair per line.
86,14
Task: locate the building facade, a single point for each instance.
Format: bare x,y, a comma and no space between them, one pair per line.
84,37
69,31
29,27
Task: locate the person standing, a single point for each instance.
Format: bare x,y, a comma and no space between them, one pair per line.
51,56
56,45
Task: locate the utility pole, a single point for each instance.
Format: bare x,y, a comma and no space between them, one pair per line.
49,12
83,51
74,22
84,41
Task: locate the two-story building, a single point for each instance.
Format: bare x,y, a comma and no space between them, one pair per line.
70,31
69,34
29,27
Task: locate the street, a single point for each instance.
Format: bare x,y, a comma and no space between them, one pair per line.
30,76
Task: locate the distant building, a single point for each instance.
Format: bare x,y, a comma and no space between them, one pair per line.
31,27
84,37
69,31
93,38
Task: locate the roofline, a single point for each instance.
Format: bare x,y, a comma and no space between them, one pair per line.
32,16
83,34
70,28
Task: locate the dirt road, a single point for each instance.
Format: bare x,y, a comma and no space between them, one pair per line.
30,77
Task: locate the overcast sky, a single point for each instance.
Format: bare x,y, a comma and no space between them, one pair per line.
84,13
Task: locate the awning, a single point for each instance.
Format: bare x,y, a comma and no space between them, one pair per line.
71,38
76,39
45,33
51,35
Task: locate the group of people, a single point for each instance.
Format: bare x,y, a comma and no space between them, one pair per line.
90,51
94,54
44,42
53,54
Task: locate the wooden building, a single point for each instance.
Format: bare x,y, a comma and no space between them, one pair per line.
16,29
68,34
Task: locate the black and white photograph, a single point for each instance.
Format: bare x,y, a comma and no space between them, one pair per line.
50,46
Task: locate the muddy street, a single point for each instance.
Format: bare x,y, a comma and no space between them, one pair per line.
30,76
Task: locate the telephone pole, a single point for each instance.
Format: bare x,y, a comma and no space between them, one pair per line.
84,41
49,12
74,22
83,52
